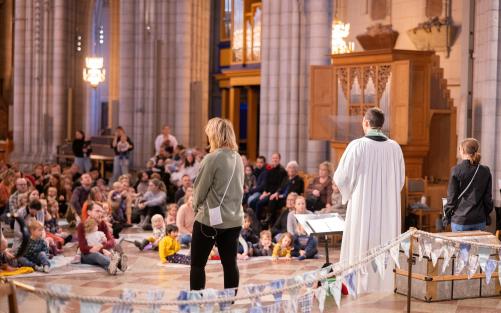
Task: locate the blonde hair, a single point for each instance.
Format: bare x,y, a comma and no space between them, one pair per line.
34,225
90,223
265,233
470,147
327,165
221,134
286,235
156,217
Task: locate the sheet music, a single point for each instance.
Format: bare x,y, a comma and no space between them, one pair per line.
321,223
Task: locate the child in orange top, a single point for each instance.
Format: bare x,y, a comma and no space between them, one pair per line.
169,246
284,247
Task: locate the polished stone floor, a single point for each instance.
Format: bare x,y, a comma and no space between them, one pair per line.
145,273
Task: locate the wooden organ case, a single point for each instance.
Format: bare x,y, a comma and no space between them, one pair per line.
410,88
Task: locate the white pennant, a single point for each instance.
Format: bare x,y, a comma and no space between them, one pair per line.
380,263
406,245
472,265
427,246
420,250
89,307
335,289
364,278
293,293
490,267
436,251
483,256
209,294
448,252
55,305
321,294
394,253
195,295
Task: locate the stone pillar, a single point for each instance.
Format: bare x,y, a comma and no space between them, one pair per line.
487,78
296,34
19,78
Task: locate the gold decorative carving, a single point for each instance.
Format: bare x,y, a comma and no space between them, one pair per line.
384,71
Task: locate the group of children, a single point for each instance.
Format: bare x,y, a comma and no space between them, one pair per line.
287,245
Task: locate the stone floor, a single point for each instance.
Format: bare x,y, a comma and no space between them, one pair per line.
145,272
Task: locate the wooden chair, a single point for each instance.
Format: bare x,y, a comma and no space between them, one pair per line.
415,189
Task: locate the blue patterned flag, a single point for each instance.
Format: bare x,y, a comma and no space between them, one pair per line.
275,285
483,256
226,293
154,295
252,290
194,295
464,252
55,305
472,265
351,283
127,295
490,267
209,294
305,302
183,295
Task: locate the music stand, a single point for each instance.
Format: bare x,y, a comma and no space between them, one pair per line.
322,225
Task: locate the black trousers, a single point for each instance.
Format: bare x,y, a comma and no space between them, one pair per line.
203,239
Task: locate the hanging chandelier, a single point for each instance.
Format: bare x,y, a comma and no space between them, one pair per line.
340,31
94,72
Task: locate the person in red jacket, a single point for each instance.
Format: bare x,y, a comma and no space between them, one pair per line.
90,254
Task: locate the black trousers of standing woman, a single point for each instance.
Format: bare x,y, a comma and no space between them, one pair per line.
203,239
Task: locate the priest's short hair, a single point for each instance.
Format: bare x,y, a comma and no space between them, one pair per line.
375,116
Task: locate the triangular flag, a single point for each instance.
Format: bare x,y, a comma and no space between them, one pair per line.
380,264
154,295
195,295
183,295
321,294
209,294
395,253
226,293
448,252
335,290
374,265
406,245
305,302
309,278
464,251
277,285
90,307
127,295
472,265
436,251
293,292
483,256
256,308
272,308
325,270
490,267
364,278
351,283
55,305
420,250
252,290
427,247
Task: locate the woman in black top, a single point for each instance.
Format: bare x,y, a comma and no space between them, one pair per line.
122,145
82,150
469,196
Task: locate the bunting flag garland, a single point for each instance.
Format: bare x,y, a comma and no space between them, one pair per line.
490,267
462,260
436,251
293,293
154,295
420,250
253,289
380,264
427,247
483,256
277,284
209,294
395,253
310,278
406,245
226,293
89,307
351,284
305,302
472,265
55,305
448,252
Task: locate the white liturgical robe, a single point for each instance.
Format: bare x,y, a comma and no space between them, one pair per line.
370,176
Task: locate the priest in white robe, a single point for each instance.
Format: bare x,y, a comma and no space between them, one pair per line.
370,176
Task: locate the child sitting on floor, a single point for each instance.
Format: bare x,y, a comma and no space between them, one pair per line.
171,214
37,251
5,256
284,247
94,236
169,246
158,224
265,246
305,247
247,232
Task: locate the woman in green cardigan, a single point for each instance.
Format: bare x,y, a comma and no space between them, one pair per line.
217,199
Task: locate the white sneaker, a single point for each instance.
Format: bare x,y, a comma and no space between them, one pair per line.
122,265
112,268
46,268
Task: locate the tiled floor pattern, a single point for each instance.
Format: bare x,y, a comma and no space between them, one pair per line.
146,273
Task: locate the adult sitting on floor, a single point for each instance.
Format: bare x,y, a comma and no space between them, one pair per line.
92,254
153,202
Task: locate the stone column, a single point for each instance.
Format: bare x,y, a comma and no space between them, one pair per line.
19,78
